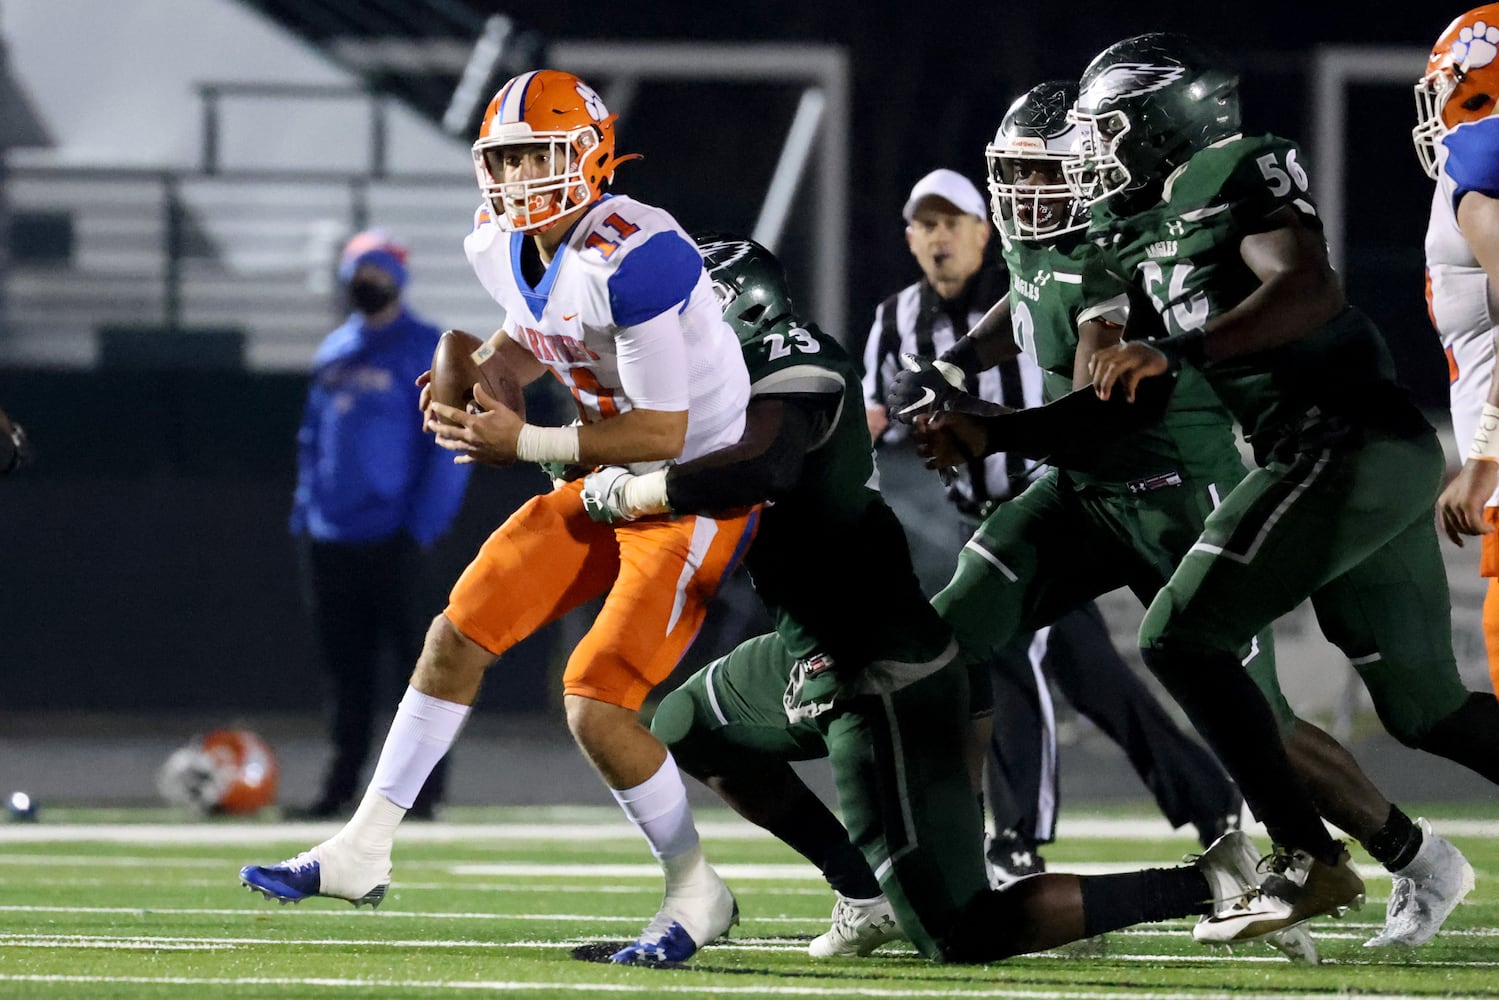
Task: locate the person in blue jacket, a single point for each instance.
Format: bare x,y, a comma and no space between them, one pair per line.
372,493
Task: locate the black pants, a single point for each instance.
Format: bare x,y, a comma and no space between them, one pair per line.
364,600
1079,657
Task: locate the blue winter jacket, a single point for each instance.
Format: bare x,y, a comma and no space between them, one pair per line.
365,468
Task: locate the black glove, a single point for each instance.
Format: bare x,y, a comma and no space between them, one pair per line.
924,386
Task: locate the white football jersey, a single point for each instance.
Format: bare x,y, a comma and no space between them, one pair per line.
1460,297
1462,307
622,264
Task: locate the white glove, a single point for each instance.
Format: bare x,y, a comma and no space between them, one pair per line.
603,494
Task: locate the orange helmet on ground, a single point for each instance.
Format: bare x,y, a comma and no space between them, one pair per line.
226,771
553,108
1461,82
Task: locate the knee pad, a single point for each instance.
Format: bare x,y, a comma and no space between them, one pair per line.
684,722
675,718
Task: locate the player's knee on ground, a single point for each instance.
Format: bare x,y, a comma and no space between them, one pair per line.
986,930
1002,923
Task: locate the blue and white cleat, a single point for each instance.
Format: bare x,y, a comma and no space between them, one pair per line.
319,872
681,925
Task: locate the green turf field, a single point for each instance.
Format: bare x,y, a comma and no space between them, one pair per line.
139,905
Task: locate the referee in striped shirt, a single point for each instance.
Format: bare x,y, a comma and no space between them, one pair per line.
947,230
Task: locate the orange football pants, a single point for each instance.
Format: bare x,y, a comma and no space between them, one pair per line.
549,557
1488,566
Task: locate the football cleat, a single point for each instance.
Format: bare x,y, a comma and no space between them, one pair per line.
1296,943
1424,892
1231,865
681,926
319,872
1008,857
859,927
1297,888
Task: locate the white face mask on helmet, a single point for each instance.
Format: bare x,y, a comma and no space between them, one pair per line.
1460,85
556,114
1034,137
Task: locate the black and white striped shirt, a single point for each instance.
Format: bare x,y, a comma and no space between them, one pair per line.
916,320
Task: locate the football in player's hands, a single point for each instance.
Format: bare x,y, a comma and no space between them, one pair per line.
455,370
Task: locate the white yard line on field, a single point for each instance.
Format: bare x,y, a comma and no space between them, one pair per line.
695,989
609,827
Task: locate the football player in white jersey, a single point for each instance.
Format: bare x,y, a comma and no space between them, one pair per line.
610,296
1457,140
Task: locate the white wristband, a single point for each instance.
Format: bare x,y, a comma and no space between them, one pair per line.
1485,446
547,444
646,494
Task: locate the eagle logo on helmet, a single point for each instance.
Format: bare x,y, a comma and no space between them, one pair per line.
723,253
719,254
1122,81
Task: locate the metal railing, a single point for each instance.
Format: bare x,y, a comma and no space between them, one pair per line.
254,250
213,94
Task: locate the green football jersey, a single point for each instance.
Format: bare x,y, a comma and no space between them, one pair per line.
1184,253
831,559
1053,289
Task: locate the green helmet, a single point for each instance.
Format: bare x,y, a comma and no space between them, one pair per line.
1146,105
1035,138
749,282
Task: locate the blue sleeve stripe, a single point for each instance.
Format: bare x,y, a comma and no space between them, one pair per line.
656,276
1473,158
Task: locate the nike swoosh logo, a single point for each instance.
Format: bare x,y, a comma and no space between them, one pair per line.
566,317
927,395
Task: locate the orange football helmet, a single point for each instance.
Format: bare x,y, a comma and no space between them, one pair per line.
553,108
226,771
1461,82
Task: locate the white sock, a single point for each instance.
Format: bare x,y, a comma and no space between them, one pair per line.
422,731
371,831
658,807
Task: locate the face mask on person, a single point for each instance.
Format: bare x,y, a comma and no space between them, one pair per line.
370,295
